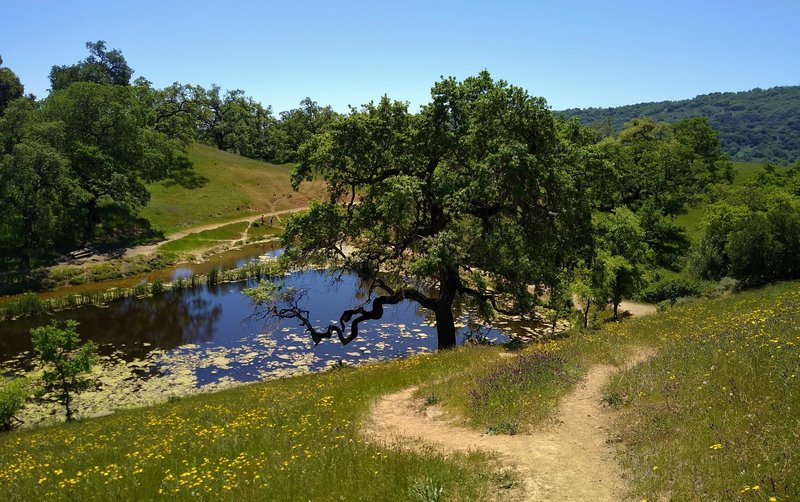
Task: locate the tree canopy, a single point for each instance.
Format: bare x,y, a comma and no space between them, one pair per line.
10,87
469,201
72,163
662,163
101,67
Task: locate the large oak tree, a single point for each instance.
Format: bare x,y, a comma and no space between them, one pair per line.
473,199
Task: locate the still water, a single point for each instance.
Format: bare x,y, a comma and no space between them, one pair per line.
189,340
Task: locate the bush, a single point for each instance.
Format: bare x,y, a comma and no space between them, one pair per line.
13,393
670,289
727,285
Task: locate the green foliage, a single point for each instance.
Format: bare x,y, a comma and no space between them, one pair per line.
65,362
36,192
296,126
754,237
101,67
668,240
670,289
758,125
10,87
483,178
233,122
13,393
72,169
662,164
620,256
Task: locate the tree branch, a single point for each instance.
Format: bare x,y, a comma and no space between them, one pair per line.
354,317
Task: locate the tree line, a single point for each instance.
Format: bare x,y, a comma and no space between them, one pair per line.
73,166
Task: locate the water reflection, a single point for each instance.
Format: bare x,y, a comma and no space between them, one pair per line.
180,342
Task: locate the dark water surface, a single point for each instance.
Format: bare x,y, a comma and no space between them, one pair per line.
189,340
218,320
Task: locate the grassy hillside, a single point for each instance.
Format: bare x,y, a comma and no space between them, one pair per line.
758,125
283,440
225,187
714,415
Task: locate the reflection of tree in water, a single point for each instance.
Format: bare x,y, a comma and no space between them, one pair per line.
166,320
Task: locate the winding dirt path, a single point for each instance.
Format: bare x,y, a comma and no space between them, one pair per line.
569,460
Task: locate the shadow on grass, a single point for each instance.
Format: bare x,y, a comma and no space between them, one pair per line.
181,173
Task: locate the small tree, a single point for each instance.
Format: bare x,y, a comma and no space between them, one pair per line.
65,361
620,255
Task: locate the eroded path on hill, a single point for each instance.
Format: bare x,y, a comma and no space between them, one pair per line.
569,459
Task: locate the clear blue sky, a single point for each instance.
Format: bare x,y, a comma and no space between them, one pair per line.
574,53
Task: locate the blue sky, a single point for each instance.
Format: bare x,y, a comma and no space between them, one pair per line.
574,53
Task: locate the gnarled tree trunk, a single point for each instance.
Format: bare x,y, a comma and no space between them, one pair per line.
445,322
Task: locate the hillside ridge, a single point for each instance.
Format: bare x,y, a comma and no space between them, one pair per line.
759,125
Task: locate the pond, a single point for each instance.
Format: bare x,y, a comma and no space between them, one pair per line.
190,340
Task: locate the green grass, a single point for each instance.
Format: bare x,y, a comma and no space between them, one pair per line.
714,414
692,219
205,239
231,186
280,440
259,232
510,396
717,411
211,240
745,171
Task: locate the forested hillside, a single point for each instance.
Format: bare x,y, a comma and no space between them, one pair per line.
758,125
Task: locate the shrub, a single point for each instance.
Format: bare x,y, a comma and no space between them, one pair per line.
13,393
670,289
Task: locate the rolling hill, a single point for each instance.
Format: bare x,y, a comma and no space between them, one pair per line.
754,126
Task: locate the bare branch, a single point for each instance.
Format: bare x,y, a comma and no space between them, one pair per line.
354,317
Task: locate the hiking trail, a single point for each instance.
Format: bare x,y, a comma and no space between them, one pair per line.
568,459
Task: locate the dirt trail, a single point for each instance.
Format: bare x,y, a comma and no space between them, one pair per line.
151,248
637,309
568,460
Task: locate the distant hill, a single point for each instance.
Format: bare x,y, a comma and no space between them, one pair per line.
756,126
